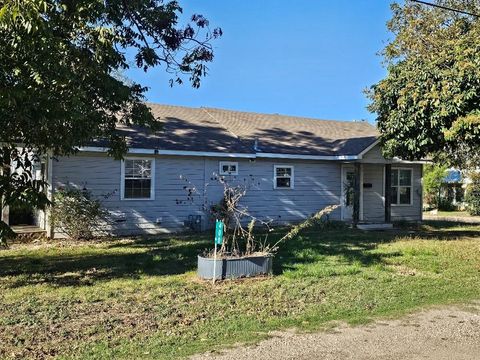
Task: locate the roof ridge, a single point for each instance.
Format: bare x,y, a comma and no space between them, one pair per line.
291,116
206,108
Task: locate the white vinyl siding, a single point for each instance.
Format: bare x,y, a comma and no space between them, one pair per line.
317,185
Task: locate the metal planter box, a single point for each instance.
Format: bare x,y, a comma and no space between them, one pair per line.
234,268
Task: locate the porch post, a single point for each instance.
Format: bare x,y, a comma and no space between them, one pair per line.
5,214
49,227
388,191
356,194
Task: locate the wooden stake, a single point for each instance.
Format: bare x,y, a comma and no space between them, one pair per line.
214,263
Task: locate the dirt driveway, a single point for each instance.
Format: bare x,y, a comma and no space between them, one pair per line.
440,334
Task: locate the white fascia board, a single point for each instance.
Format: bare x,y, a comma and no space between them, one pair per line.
92,148
400,161
104,149
205,153
226,155
171,152
307,157
141,151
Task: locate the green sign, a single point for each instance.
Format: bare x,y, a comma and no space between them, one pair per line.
219,232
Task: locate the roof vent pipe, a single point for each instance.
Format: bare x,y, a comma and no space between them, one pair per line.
255,146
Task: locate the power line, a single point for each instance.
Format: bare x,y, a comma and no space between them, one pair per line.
446,8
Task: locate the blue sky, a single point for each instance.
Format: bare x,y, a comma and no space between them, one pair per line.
307,58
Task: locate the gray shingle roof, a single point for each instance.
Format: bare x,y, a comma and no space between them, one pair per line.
216,130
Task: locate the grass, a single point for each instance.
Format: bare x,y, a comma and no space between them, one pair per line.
458,214
139,298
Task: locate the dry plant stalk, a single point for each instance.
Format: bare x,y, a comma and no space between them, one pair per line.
233,214
302,226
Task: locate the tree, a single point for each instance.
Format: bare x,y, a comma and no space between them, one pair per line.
429,103
433,177
472,196
58,67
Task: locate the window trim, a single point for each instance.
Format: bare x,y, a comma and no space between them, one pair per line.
292,177
398,186
222,163
122,179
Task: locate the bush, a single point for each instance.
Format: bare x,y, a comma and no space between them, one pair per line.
6,233
76,213
433,176
472,196
446,205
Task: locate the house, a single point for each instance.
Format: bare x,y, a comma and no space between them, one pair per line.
293,167
453,188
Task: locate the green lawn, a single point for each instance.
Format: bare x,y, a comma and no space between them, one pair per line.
139,298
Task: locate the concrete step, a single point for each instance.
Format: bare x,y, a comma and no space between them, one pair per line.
27,233
381,226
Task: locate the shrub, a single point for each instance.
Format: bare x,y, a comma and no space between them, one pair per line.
6,233
76,213
240,236
433,176
236,233
446,205
472,196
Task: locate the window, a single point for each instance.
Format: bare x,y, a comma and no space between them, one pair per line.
228,168
401,193
283,177
138,179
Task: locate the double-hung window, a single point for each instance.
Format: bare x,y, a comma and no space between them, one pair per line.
138,179
283,177
401,193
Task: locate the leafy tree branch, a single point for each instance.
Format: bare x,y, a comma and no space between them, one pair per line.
427,105
59,66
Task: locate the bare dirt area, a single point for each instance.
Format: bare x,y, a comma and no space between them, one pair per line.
443,333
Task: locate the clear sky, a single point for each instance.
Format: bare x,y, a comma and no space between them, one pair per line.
306,57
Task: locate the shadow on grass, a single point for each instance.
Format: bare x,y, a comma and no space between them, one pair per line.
447,230
159,256
80,267
353,246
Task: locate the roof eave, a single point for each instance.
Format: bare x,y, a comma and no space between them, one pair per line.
142,151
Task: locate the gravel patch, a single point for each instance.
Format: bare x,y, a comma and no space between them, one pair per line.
440,334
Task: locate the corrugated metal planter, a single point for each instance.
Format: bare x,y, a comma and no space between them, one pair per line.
234,268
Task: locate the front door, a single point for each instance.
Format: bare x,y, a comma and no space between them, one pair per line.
348,180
